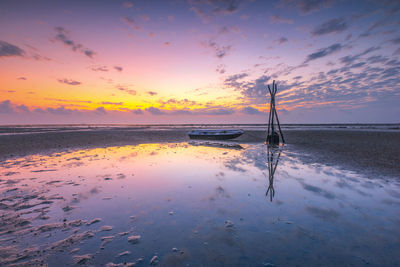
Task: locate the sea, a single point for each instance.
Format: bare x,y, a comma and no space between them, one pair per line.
43,128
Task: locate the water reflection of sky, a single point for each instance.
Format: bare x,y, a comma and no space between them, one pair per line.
207,201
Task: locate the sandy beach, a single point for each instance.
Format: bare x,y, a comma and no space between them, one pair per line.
371,152
192,133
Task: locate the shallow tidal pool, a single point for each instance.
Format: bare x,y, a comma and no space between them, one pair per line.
194,204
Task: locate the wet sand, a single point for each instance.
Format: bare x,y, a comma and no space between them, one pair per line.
373,153
127,197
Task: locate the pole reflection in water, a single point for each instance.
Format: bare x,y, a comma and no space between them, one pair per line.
273,155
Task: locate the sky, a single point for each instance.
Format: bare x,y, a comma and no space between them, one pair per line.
199,61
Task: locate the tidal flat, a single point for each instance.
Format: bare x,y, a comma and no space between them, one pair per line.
196,204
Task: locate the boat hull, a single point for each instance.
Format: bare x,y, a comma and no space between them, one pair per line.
223,135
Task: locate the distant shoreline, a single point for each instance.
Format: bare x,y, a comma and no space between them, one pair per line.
188,124
41,128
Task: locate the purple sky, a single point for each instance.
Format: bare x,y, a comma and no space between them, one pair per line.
199,61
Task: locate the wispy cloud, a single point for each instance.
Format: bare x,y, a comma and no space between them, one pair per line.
172,102
279,20
351,58
395,41
323,52
10,50
137,111
112,103
38,57
218,111
218,50
69,81
155,111
152,93
221,69
5,107
22,108
201,14
235,81
209,111
206,9
308,6
181,112
377,59
100,111
118,68
67,100
234,30
225,6
251,111
62,35
382,22
331,26
281,40
60,111
99,68
125,89
255,90
129,21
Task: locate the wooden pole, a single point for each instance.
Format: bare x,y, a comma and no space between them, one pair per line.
270,189
273,111
277,120
271,171
279,126
269,117
273,116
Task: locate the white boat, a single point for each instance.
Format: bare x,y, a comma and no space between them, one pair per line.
215,134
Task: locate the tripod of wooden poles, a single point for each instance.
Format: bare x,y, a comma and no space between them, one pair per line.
272,134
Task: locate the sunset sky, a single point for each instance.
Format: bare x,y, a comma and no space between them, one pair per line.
198,61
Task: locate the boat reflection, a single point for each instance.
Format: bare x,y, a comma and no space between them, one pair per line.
273,155
227,145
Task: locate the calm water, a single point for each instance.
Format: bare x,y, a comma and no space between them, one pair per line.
200,204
